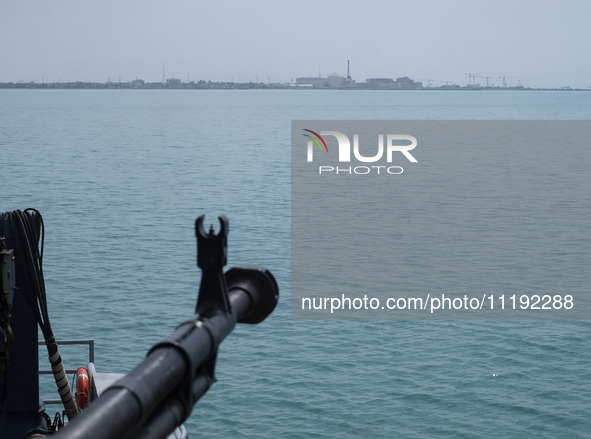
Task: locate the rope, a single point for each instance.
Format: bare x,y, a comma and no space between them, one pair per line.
27,231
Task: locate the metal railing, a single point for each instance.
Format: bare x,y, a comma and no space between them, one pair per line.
90,344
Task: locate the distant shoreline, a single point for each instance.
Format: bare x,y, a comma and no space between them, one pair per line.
211,85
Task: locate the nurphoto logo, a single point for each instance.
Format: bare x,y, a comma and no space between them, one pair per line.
394,144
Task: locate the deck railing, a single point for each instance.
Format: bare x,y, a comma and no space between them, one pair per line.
90,344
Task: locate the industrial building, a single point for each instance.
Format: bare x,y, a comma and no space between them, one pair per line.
337,81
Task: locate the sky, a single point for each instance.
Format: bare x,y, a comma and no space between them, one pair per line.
536,43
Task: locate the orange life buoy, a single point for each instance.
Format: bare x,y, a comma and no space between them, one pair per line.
82,388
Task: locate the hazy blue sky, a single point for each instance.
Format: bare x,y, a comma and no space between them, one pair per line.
546,43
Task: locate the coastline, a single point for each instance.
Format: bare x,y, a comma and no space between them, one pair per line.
219,85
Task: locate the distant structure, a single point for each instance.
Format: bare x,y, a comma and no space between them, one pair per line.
349,83
402,83
173,82
378,83
332,81
311,82
337,81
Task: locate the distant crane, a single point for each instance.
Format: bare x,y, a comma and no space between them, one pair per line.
487,78
472,77
504,78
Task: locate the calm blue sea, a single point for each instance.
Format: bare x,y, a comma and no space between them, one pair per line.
120,177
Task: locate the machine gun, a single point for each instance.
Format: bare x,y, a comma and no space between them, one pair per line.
158,394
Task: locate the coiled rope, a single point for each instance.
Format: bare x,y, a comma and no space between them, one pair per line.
27,233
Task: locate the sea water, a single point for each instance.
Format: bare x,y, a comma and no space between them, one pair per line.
120,176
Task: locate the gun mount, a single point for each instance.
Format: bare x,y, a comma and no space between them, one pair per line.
159,393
